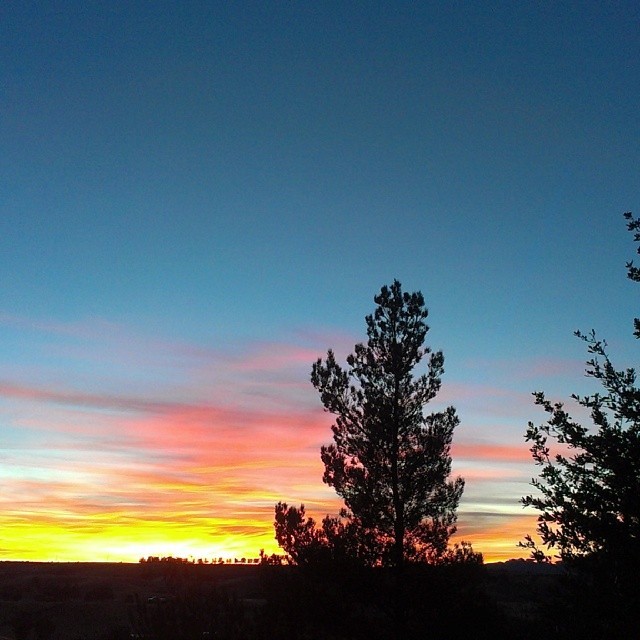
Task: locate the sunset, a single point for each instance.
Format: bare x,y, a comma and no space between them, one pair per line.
191,455
200,199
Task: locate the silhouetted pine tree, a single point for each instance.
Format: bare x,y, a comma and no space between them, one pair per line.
390,461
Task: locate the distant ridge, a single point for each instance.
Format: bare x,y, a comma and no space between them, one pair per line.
520,566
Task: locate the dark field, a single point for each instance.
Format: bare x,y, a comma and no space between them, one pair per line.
78,601
96,601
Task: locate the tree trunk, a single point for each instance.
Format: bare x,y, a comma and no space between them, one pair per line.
398,505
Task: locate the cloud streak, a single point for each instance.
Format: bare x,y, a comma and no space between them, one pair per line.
158,467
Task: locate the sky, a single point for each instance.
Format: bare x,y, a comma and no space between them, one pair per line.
198,199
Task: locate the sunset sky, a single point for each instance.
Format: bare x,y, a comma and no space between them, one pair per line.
198,199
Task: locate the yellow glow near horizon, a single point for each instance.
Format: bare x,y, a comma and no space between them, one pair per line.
500,543
112,542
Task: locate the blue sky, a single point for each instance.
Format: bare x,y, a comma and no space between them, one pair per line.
188,186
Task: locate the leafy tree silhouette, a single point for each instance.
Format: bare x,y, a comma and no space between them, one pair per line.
338,541
589,497
297,534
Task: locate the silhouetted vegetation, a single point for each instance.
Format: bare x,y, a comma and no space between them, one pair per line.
322,601
389,461
219,560
589,493
338,541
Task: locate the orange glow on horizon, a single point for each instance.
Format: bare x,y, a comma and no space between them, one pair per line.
41,539
499,543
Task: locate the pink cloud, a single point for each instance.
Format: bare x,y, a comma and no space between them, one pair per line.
490,452
81,399
269,356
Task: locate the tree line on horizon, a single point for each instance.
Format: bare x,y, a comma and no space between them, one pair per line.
191,560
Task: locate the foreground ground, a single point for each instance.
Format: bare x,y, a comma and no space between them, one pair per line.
101,601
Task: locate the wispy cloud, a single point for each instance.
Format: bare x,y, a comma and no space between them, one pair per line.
146,445
495,453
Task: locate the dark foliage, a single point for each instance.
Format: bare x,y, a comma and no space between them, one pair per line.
322,601
338,541
390,461
589,491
